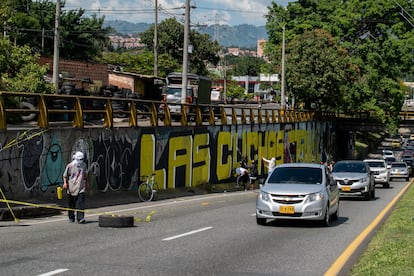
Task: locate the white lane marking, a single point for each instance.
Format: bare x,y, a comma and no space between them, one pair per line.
54,272
188,233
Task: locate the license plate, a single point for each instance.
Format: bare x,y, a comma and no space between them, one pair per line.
286,209
346,188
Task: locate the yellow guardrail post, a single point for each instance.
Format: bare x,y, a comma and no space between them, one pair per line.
199,118
3,118
233,116
280,116
259,116
267,119
78,118
243,117
108,116
154,113
184,121
43,120
211,119
251,116
167,116
274,118
132,114
223,117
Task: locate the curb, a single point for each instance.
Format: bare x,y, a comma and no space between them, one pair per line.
28,212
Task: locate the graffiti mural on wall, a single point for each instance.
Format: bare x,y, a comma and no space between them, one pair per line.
180,157
111,161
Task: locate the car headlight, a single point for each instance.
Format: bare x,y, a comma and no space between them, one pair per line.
265,196
315,197
364,179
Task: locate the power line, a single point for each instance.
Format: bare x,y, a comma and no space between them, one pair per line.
233,10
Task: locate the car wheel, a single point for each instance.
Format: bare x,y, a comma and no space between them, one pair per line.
367,195
335,216
327,218
116,221
261,221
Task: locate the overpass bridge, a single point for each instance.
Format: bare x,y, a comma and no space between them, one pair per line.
200,149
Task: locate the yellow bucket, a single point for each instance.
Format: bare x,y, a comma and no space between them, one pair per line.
59,192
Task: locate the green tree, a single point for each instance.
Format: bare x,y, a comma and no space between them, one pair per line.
234,90
32,23
20,70
244,65
141,62
317,70
170,41
378,40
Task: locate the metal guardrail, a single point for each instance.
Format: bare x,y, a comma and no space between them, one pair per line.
49,110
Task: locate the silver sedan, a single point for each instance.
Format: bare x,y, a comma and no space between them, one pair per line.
298,191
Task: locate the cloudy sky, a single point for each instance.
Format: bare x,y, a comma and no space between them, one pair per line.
204,12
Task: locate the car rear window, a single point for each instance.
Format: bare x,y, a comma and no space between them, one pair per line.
376,164
350,167
303,175
398,165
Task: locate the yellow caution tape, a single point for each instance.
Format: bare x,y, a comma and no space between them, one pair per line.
147,217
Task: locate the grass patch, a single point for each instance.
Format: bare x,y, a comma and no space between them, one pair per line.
391,250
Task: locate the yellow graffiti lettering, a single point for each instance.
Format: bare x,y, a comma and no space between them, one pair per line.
201,159
224,162
179,156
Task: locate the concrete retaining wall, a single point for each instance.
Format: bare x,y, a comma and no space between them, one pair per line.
32,162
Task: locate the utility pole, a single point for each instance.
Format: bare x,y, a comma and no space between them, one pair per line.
282,90
225,80
185,51
156,40
56,48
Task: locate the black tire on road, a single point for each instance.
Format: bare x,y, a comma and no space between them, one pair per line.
116,221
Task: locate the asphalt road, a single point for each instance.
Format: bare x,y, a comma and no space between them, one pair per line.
212,234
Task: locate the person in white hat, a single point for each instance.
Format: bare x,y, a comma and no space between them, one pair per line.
75,181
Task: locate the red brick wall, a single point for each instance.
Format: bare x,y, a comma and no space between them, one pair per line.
80,70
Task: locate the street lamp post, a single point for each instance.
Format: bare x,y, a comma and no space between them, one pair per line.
156,40
185,51
282,90
55,76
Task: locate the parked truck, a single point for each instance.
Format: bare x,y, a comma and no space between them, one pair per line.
198,92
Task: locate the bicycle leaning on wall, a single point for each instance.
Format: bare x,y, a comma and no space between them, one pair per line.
147,190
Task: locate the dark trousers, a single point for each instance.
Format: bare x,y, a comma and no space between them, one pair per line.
78,203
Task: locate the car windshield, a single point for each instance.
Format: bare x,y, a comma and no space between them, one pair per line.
389,160
350,167
296,175
376,164
176,92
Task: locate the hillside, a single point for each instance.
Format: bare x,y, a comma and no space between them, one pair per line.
242,36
